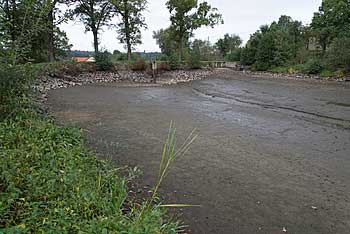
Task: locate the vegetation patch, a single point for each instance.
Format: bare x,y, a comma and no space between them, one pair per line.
51,183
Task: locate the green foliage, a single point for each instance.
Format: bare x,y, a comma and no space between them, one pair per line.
274,45
206,51
339,54
165,41
229,44
331,21
50,183
234,55
14,87
187,16
29,31
327,73
103,61
313,66
94,14
173,62
132,21
194,61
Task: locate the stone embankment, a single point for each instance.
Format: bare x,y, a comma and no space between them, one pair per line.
46,82
290,76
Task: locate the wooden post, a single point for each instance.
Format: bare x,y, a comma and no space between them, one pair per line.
154,71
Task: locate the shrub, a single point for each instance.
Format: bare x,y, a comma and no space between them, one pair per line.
327,73
163,66
338,55
14,87
103,61
173,62
194,61
234,56
139,65
279,69
313,66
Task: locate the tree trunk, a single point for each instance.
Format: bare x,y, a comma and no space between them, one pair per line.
180,49
13,22
129,51
95,33
50,38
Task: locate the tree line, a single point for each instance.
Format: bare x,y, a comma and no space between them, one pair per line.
285,45
29,29
322,45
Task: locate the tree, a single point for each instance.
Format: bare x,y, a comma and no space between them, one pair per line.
52,22
23,25
164,39
339,53
249,52
331,21
274,45
132,21
60,43
94,14
187,16
27,31
228,44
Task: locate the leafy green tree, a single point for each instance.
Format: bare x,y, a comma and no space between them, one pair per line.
164,40
228,44
23,25
60,43
27,31
205,49
94,14
132,20
332,20
55,17
189,15
249,52
274,45
339,53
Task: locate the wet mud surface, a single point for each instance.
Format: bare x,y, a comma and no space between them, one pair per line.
271,154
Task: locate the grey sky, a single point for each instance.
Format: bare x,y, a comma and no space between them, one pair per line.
242,17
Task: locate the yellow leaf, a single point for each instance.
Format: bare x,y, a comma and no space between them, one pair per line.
22,225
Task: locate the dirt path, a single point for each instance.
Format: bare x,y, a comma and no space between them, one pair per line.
271,154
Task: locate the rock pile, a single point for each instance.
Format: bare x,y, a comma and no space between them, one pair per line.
182,76
46,83
291,76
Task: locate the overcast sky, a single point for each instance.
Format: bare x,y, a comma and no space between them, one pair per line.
242,17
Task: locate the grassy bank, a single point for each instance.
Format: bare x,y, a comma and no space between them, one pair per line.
51,183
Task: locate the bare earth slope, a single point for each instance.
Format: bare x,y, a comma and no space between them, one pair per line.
271,154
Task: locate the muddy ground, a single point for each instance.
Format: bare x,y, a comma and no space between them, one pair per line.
271,154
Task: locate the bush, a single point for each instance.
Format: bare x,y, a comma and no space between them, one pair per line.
14,87
278,69
163,66
194,61
173,62
103,61
139,65
234,56
313,66
338,55
327,73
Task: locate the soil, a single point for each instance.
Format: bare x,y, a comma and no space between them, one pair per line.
272,156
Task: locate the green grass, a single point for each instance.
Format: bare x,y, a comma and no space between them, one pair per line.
51,183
